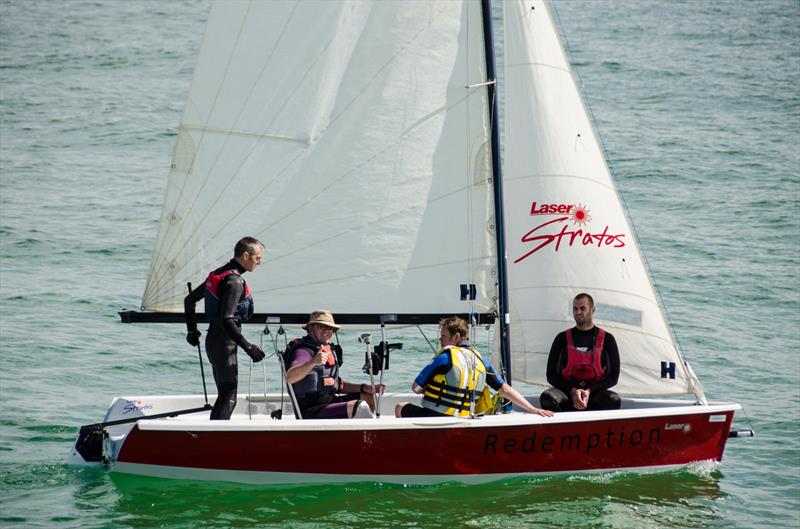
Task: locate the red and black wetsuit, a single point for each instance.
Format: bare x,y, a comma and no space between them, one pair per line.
600,397
228,304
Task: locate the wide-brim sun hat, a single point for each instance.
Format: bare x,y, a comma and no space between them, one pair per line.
321,317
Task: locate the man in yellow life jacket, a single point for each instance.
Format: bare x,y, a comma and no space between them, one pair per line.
453,382
583,364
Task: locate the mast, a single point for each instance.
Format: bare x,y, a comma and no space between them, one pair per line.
488,39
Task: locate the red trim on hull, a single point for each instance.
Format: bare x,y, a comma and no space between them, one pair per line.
446,450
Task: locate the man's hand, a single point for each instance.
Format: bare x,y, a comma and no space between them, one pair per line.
321,357
255,352
580,398
368,389
193,337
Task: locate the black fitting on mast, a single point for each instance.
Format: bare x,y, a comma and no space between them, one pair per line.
497,181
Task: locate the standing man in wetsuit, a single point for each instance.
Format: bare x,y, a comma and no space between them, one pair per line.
228,304
583,364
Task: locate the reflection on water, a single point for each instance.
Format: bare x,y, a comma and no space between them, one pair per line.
684,498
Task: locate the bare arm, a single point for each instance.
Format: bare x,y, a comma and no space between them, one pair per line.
517,398
297,373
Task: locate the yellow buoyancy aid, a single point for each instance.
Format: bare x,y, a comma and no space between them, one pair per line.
454,392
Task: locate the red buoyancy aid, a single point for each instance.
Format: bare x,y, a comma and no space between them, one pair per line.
584,366
321,379
244,310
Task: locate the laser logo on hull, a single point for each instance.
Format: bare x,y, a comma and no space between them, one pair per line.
685,427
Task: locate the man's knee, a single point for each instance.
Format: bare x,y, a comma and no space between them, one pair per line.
607,400
226,401
613,400
552,400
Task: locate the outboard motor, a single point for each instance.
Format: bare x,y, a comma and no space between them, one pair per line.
90,443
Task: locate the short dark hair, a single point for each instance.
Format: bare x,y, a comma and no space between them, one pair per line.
454,325
246,244
585,295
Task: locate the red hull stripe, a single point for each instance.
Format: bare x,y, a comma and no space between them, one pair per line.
515,449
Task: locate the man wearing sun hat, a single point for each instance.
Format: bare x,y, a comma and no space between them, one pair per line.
313,371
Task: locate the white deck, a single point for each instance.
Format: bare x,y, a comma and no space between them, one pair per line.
254,413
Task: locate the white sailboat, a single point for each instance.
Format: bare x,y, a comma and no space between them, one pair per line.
359,140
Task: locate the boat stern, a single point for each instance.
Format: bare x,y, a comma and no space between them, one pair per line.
100,443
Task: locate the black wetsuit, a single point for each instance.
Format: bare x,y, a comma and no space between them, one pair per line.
557,398
224,334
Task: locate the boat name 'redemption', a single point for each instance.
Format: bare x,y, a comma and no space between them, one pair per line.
495,444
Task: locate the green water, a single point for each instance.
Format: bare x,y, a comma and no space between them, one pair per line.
699,107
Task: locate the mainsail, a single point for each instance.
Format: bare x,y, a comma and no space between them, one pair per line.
353,139
566,230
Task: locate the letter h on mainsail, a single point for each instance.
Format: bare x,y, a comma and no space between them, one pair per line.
468,291
668,370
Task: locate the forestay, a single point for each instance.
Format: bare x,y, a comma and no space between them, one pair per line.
349,138
566,230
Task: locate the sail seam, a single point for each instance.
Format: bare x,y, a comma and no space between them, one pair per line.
631,330
542,64
243,133
577,177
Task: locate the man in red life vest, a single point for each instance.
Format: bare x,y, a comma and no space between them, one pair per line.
228,304
583,365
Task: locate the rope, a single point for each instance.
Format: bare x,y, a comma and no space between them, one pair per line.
426,339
